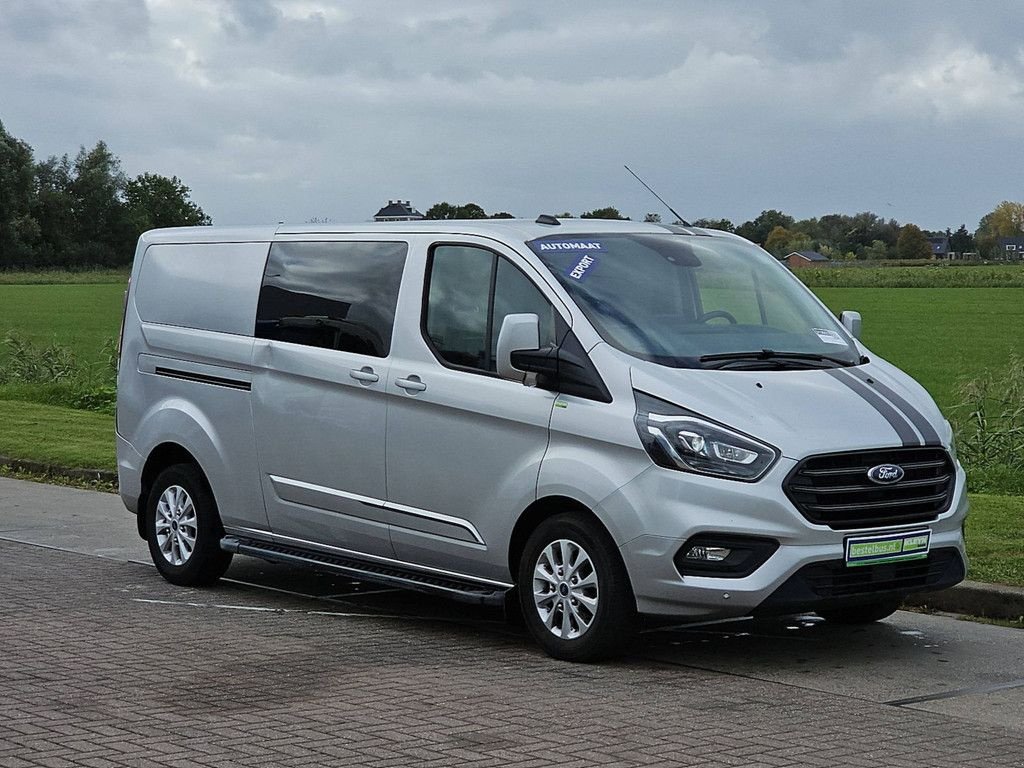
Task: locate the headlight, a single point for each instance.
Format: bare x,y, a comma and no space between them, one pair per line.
952,441
677,438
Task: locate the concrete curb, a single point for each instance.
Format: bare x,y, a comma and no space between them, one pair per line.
52,470
993,601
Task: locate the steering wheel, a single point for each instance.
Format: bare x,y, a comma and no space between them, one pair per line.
717,313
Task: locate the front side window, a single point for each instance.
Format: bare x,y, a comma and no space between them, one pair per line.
694,301
335,295
469,292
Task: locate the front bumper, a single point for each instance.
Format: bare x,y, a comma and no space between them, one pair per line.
664,509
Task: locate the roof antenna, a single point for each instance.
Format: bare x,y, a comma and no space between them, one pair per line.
679,218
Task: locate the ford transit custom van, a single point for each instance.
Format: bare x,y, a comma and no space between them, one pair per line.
600,420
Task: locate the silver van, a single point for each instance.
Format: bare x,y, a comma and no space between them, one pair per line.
601,420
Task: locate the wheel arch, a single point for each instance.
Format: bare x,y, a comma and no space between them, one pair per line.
540,510
164,455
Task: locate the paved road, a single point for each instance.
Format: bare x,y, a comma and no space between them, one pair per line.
104,664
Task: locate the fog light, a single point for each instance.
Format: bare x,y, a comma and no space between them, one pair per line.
725,555
708,554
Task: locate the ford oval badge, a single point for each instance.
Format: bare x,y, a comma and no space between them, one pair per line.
885,474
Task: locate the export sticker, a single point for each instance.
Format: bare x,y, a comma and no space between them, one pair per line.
579,271
829,337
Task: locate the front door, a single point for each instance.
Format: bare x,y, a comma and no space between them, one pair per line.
321,362
464,446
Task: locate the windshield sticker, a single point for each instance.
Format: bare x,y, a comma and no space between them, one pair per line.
581,268
567,245
829,337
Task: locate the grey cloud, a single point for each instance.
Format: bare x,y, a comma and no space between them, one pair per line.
285,109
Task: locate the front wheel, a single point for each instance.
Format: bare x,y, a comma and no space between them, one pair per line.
183,528
575,594
867,613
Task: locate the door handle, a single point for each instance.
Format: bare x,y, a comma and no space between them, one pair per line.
364,374
411,384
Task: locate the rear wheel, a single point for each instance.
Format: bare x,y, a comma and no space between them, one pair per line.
574,590
862,614
183,528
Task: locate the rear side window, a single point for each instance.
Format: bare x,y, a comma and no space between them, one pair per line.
332,295
470,291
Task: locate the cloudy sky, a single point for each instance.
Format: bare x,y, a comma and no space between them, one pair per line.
291,109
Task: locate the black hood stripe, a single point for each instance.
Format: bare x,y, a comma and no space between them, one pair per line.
896,420
931,437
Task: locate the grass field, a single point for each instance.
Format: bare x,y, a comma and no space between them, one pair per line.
937,335
79,316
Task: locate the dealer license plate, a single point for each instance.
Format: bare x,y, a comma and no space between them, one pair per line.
887,548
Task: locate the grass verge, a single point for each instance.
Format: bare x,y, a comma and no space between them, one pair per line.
995,539
61,436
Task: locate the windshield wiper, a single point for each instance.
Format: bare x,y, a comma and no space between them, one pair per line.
771,356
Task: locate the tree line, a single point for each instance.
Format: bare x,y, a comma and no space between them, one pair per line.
82,212
839,236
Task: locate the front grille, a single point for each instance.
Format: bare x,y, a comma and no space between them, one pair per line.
834,489
834,579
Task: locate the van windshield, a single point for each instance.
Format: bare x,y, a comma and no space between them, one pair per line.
695,301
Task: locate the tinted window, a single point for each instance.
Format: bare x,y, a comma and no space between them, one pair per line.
463,312
332,295
514,293
457,304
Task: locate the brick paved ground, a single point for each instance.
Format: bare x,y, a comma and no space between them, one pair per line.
94,672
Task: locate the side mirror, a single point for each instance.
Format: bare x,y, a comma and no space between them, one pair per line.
851,322
518,333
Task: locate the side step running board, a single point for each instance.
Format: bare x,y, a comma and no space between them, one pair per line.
390,575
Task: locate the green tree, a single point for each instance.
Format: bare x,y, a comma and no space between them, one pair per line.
723,224
502,215
961,241
19,230
652,218
103,232
757,231
912,244
157,201
604,213
777,241
54,211
449,211
876,251
1007,220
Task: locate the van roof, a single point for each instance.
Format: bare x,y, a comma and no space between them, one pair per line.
507,229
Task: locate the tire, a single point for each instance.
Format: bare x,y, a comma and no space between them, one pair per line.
867,613
183,528
583,613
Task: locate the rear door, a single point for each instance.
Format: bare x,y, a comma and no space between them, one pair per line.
321,363
464,446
